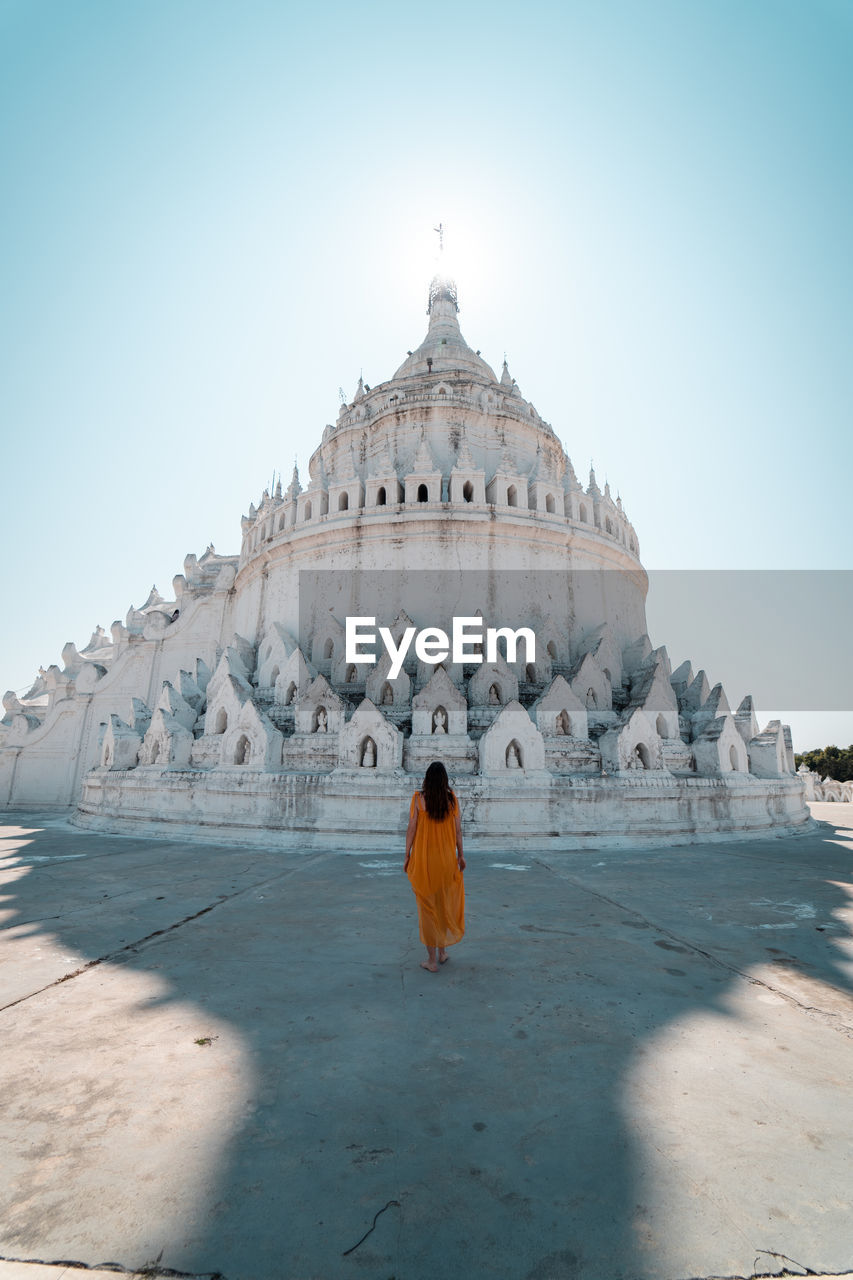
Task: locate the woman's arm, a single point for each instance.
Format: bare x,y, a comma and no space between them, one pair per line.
459,858
410,834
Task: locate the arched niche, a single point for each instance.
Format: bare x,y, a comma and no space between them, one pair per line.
439,720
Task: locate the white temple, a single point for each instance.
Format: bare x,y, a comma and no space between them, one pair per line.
233,707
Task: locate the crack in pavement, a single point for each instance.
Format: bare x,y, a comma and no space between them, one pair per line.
133,947
148,1269
784,1274
832,1020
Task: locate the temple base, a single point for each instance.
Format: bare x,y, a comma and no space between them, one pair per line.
361,809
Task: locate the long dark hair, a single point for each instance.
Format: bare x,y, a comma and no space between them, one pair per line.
438,798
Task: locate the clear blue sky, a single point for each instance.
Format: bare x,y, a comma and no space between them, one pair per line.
215,215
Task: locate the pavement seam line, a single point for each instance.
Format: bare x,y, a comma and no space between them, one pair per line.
159,933
831,1020
114,897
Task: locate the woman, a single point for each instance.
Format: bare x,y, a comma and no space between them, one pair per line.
434,865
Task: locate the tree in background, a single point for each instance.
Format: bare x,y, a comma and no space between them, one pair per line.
829,762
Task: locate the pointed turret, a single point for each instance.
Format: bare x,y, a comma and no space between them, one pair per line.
294,488
464,460
508,463
570,479
423,458
154,598
381,464
542,468
508,381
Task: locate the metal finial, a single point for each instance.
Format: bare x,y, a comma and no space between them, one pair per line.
440,231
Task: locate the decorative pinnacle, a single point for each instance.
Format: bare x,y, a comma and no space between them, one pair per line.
442,290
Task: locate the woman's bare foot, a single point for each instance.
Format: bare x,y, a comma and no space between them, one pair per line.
443,957
430,965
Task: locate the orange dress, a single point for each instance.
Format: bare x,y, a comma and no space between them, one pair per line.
436,879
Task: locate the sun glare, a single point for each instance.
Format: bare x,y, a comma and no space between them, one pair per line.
462,251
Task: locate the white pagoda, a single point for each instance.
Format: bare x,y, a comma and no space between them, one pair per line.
235,707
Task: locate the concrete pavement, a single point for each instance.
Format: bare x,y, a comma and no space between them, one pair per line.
220,1061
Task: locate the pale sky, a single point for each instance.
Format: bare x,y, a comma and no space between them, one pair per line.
216,215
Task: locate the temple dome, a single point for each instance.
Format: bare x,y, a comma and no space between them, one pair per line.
444,350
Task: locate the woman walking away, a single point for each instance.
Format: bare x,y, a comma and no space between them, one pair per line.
434,865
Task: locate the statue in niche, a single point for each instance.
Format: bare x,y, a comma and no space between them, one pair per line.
322,721
560,727
634,760
513,760
387,696
368,760
439,721
494,699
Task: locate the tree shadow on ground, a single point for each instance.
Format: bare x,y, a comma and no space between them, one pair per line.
514,1116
